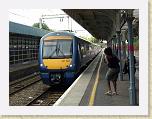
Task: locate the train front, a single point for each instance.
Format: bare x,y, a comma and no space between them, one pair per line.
55,58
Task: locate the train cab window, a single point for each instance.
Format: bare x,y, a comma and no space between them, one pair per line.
57,49
65,48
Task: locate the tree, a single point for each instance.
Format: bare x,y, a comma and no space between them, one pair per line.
92,39
44,26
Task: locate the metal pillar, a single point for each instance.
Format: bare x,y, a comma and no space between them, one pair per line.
114,44
119,55
40,23
132,88
118,31
68,24
123,44
109,43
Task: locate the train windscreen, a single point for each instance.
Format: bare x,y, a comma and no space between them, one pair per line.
57,49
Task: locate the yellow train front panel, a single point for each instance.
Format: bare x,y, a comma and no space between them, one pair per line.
57,63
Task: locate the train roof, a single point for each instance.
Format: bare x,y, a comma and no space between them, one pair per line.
66,33
58,33
26,30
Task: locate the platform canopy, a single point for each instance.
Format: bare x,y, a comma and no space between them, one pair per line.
101,23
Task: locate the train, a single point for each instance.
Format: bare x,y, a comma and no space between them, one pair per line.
62,55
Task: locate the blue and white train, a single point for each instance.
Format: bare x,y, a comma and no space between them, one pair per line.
62,55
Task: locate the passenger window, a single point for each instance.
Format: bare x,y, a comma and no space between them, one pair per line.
90,48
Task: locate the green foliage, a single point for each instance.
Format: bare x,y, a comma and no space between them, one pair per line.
90,39
44,26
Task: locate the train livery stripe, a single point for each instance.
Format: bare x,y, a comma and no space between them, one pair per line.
58,37
57,63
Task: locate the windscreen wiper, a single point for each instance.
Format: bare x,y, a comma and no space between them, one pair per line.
61,52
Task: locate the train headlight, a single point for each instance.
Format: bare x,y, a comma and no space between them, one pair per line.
41,65
70,65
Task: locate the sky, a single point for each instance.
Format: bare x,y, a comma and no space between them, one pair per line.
31,16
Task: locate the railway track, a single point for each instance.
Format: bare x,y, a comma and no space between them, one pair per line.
32,92
28,94
20,84
49,97
37,94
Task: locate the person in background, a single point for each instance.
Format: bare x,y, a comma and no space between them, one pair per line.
113,70
126,66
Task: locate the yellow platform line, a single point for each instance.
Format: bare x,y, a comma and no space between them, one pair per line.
93,93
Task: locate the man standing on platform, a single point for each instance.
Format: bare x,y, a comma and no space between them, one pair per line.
113,70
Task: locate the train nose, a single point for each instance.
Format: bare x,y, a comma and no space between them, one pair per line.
55,78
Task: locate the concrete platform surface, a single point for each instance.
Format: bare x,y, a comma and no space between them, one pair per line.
79,94
123,99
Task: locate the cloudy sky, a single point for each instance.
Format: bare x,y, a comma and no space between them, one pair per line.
31,16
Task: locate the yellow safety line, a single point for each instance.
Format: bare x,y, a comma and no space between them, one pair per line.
93,93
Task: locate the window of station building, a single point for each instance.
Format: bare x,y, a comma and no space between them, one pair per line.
11,53
37,44
26,43
14,43
10,44
22,49
32,43
20,44
23,43
37,47
32,49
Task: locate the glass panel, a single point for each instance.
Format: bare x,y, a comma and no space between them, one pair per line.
57,49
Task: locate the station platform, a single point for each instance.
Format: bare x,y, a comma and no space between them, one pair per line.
90,87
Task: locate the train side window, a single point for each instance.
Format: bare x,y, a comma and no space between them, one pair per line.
87,47
80,52
90,48
82,49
